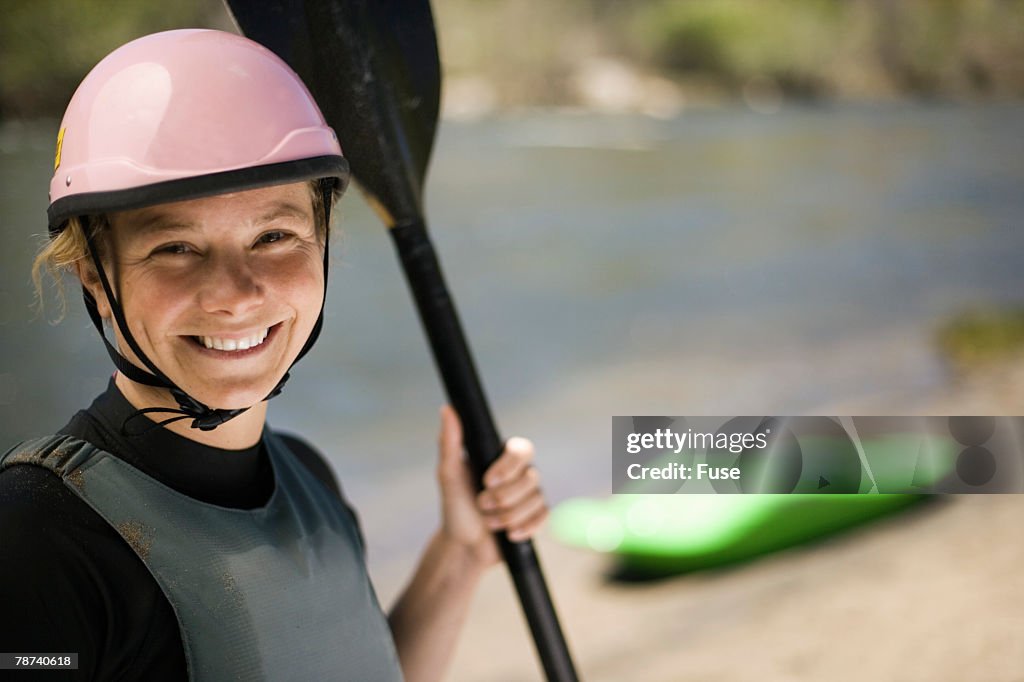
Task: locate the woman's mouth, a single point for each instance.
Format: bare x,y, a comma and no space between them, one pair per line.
235,346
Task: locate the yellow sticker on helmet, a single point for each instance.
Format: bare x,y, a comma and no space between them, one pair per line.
60,143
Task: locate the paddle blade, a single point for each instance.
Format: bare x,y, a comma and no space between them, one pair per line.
373,67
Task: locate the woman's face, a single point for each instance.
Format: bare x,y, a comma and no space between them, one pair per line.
220,293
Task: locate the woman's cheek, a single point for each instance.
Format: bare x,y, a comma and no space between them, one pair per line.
305,281
156,295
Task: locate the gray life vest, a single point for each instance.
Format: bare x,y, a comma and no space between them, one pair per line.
275,593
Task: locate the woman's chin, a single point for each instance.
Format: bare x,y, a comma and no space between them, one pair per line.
222,398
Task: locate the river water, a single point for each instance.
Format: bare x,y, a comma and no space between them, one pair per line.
722,262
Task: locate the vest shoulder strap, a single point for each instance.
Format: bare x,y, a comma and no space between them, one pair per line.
65,456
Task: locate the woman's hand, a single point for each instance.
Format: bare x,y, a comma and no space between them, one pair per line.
511,499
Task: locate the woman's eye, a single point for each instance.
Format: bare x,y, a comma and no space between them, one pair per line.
271,237
172,250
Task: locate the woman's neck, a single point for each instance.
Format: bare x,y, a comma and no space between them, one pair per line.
239,433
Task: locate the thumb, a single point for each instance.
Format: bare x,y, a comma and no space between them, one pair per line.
450,468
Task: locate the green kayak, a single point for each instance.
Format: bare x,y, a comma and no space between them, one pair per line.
662,534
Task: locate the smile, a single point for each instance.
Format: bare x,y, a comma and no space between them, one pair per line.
235,345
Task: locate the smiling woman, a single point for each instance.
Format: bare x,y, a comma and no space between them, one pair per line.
153,125
191,197
230,268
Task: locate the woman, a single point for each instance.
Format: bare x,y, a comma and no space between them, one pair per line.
166,532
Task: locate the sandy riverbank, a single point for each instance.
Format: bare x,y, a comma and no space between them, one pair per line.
934,594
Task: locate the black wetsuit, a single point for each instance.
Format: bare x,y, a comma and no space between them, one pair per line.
70,584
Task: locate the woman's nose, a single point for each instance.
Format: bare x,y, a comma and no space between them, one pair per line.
230,286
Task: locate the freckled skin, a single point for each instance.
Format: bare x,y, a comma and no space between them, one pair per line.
229,264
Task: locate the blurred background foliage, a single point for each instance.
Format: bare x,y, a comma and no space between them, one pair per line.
656,56
47,46
853,47
982,336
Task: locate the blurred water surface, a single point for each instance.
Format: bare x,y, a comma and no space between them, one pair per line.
578,243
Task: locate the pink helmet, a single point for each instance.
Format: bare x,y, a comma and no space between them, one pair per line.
185,114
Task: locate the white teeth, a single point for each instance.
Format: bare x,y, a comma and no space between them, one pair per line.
234,344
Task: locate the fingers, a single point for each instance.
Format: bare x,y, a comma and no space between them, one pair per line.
516,456
520,521
512,500
504,497
528,528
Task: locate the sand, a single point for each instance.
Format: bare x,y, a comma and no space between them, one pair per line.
933,594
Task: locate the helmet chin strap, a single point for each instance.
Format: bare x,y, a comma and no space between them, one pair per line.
203,417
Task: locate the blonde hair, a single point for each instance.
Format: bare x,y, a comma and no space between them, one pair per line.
63,253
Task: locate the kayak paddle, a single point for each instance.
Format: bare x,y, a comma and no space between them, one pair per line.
373,67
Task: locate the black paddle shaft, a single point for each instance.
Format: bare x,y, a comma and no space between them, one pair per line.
373,67
480,436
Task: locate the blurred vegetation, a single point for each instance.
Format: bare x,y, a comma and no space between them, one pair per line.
532,52
981,336
47,46
852,47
